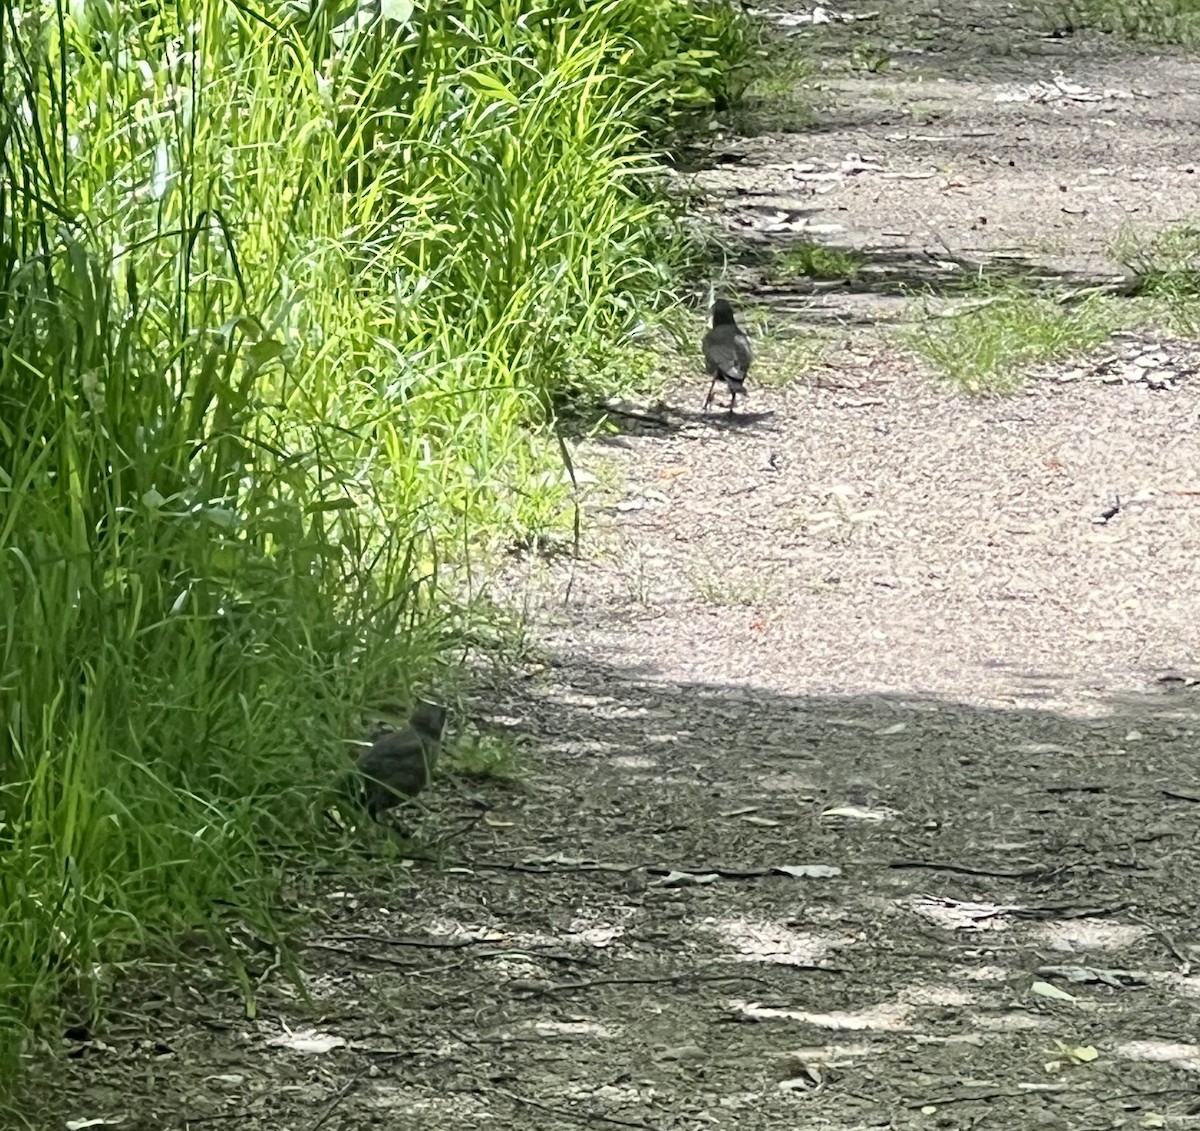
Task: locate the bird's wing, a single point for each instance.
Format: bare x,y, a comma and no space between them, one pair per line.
745,355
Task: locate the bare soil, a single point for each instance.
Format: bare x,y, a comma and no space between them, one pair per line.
862,757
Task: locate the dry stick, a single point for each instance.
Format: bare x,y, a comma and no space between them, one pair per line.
1116,1096
450,944
364,956
398,1053
992,1094
1185,965
276,963
453,834
955,257
966,869
333,1104
581,1116
568,987
550,869
501,1040
494,951
428,944
1066,911
665,979
628,414
1180,794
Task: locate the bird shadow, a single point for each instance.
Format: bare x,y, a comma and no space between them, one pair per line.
725,418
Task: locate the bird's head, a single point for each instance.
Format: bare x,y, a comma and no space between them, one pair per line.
429,718
722,313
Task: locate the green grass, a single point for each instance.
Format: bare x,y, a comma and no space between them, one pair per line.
1158,21
1168,271
779,68
716,585
870,57
771,87
816,261
988,348
781,358
484,756
286,308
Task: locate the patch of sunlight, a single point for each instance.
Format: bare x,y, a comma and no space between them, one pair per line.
889,1017
1179,1055
1089,934
772,942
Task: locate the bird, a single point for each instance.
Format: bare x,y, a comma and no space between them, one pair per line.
727,353
398,764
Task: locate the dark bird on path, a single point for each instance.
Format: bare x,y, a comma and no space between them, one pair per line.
398,764
727,353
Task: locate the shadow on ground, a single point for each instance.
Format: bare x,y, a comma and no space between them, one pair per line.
707,906
890,273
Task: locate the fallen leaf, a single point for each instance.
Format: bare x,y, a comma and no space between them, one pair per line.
307,1040
1045,989
1077,1054
853,813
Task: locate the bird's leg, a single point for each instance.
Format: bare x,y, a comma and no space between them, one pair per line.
732,402
709,399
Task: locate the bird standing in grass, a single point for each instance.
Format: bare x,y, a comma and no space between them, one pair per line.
397,764
727,353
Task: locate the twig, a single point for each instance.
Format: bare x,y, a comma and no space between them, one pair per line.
455,833
645,418
368,1050
496,950
581,1116
333,1104
276,963
1185,965
550,867
570,987
426,944
1065,911
1180,794
364,956
954,256
990,1094
966,869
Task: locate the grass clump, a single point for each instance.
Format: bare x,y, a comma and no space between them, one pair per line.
987,348
816,261
287,296
1167,269
770,87
1158,21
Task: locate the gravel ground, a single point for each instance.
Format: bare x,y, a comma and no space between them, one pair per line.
862,773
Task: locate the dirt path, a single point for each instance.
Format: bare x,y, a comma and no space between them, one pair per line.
851,744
